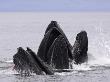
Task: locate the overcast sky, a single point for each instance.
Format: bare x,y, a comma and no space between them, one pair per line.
54,5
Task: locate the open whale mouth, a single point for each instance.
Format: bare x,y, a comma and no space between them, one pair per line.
55,52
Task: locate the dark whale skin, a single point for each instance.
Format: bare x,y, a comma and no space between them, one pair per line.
24,63
27,62
54,24
51,38
80,48
44,67
51,33
58,54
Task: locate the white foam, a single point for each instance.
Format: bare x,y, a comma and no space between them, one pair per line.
9,61
83,67
65,73
9,71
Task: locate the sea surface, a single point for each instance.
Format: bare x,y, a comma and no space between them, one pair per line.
26,29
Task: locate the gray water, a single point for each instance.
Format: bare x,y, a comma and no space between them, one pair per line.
27,29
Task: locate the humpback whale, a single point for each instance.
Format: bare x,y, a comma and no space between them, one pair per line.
58,55
27,62
80,48
54,42
55,52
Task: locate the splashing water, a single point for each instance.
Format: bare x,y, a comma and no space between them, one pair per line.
102,48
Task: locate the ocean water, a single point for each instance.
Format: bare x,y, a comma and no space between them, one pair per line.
25,29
